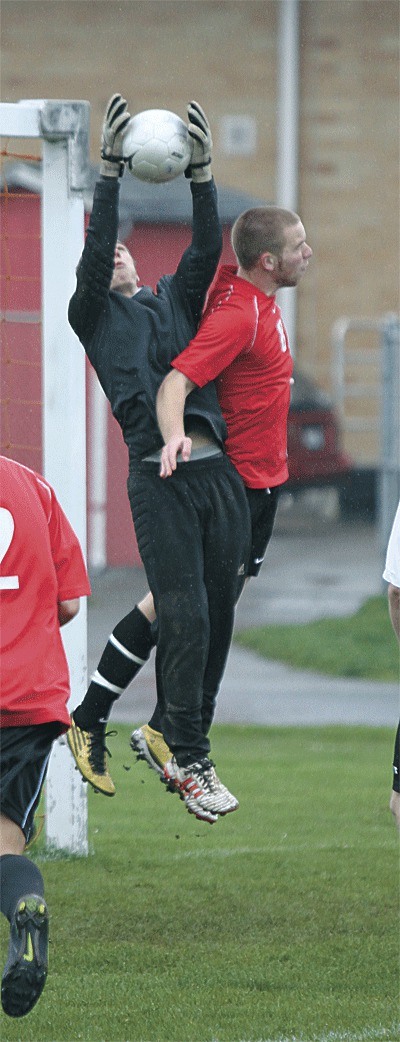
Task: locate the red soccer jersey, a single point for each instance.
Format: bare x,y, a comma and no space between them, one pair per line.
41,564
243,346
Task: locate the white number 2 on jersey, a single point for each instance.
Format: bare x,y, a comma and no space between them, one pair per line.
7,582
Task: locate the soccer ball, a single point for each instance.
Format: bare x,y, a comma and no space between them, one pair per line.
157,146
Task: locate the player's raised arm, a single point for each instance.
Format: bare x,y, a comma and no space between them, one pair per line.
96,267
170,406
199,262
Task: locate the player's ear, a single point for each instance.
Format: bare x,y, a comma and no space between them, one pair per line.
267,261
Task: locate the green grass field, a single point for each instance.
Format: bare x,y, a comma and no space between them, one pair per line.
362,645
279,922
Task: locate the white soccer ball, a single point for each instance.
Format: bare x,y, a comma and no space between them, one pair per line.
157,146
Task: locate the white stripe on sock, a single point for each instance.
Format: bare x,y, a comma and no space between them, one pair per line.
98,679
124,651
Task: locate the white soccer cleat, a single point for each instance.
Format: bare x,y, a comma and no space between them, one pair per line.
201,790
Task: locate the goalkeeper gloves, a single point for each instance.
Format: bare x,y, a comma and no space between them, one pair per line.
116,120
199,168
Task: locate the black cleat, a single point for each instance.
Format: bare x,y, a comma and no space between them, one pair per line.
25,971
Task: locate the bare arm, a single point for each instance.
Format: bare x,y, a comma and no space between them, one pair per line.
170,406
67,610
394,608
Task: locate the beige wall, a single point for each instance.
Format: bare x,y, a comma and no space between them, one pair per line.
224,53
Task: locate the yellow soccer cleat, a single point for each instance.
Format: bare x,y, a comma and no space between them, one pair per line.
150,746
90,754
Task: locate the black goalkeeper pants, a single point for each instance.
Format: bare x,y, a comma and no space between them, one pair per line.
193,534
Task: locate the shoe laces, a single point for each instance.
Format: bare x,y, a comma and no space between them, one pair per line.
98,749
205,768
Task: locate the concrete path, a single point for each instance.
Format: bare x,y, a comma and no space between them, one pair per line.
315,567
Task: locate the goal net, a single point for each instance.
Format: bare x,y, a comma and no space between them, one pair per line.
43,372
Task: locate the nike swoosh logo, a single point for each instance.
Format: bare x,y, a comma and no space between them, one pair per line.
258,560
28,955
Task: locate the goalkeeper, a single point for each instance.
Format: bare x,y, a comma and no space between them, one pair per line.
193,533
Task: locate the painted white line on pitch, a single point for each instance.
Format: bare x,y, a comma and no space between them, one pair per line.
279,848
366,1035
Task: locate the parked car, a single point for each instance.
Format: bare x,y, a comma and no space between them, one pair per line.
316,457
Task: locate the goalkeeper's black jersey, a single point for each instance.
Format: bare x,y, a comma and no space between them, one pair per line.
131,341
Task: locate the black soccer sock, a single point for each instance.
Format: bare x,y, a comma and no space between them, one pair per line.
127,649
18,876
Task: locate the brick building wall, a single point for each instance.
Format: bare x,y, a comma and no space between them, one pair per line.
224,53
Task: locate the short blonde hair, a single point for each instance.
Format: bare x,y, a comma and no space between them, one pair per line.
260,230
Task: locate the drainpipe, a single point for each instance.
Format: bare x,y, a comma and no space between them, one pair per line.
287,133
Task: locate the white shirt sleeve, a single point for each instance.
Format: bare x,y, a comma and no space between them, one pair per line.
392,565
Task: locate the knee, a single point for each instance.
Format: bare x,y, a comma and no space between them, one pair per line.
12,839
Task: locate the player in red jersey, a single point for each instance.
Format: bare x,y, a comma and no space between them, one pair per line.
42,577
243,346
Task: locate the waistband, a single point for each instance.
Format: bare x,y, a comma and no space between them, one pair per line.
215,462
201,452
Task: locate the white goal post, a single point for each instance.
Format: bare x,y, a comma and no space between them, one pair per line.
63,129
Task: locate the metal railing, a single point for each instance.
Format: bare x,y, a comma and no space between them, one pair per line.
384,419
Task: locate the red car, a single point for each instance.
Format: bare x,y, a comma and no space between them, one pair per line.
316,457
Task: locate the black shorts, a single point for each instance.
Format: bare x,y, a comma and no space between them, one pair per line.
263,504
24,759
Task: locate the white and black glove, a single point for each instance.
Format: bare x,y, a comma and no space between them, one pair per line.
199,168
116,120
